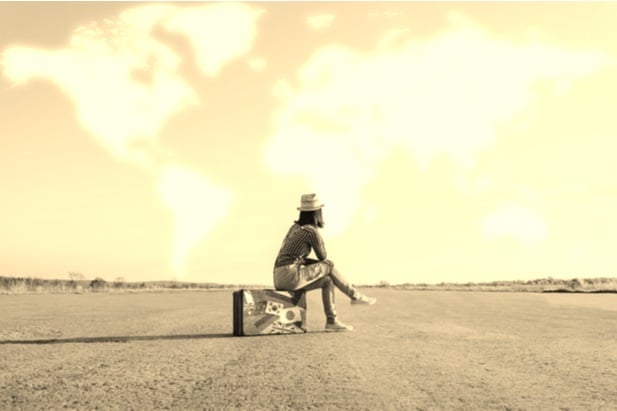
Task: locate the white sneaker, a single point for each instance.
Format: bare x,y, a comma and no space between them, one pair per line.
365,300
338,326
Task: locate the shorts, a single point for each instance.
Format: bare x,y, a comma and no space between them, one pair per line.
296,276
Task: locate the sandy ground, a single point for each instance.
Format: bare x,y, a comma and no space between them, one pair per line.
412,350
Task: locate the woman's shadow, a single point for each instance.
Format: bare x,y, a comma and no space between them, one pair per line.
117,339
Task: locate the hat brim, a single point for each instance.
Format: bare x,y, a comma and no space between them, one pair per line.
310,208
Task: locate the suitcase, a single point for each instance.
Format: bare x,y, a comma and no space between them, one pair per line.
262,312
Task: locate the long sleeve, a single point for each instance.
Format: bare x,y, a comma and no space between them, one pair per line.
317,243
297,245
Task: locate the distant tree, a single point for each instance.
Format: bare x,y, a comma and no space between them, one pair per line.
98,283
384,283
75,276
575,283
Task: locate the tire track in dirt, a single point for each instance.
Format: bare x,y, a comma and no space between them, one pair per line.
271,372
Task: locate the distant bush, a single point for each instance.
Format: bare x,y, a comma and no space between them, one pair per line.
23,285
537,285
20,285
98,283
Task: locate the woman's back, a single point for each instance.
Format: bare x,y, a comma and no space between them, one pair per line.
298,243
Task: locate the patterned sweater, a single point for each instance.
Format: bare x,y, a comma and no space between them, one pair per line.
297,245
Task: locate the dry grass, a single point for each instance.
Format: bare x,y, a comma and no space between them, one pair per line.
549,284
27,285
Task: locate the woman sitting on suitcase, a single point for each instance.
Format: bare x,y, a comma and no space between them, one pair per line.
293,271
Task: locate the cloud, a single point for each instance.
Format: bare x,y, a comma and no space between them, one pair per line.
320,21
257,64
445,95
218,32
516,221
389,13
391,37
196,203
96,72
125,85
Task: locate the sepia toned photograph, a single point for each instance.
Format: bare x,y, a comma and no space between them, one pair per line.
266,205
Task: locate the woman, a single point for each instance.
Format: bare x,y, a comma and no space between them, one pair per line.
293,271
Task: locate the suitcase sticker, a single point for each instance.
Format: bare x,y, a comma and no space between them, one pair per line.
261,312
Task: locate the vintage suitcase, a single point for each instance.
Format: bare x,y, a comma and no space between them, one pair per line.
260,312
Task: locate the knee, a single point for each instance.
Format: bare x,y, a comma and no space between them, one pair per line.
327,282
330,264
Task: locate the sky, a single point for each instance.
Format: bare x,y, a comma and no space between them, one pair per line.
449,141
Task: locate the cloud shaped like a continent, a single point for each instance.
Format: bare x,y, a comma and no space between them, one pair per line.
447,94
125,85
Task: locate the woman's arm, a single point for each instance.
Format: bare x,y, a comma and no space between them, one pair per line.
316,242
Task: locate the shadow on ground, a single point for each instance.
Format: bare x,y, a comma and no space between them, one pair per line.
117,339
563,290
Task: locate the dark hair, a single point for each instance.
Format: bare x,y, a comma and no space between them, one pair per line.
311,217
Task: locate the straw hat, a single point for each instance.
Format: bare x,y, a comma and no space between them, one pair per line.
310,202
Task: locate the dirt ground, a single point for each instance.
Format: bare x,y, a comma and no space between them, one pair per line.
412,350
